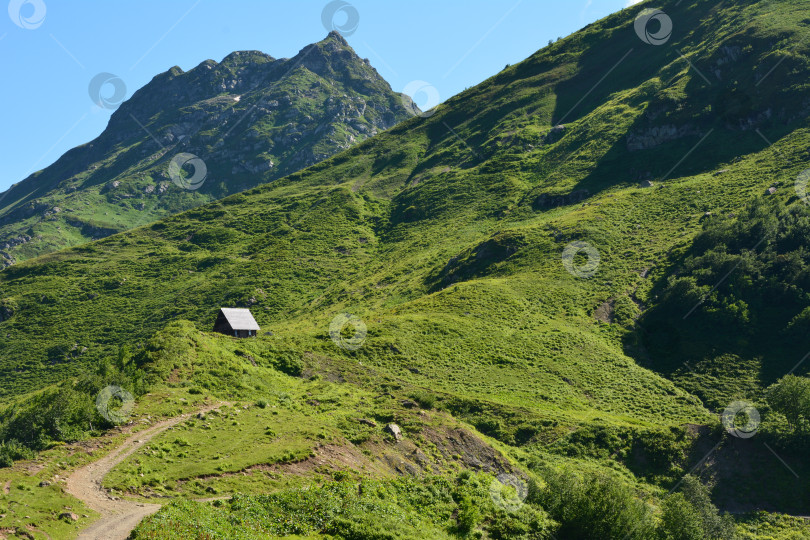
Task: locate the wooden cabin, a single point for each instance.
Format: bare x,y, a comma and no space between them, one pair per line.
236,322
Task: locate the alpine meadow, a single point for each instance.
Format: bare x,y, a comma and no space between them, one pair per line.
276,298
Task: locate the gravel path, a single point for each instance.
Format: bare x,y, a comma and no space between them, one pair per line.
118,517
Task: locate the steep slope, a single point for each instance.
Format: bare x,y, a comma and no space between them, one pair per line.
735,317
250,118
446,235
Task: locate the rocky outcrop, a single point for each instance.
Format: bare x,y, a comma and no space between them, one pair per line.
726,55
13,242
23,211
555,134
656,136
553,201
90,230
395,431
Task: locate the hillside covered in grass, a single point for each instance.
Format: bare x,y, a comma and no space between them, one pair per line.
450,237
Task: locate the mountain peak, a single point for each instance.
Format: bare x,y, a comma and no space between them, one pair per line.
334,58
237,58
336,36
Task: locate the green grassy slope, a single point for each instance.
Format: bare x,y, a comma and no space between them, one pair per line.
445,236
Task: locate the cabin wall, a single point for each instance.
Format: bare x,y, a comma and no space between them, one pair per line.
223,327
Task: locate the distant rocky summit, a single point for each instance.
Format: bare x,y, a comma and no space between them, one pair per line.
250,119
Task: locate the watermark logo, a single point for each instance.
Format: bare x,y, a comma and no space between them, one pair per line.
653,26
741,419
27,14
99,83
115,404
508,492
801,185
586,270
180,179
339,324
340,16
425,94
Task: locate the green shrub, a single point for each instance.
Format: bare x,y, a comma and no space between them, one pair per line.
425,399
289,364
679,520
690,515
790,396
595,507
11,451
468,515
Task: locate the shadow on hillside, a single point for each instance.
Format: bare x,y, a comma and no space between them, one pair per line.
671,139
725,102
725,323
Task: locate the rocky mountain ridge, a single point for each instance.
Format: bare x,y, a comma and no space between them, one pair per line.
250,119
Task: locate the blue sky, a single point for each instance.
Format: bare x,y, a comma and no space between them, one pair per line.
50,50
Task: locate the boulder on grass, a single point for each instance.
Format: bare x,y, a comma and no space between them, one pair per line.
394,430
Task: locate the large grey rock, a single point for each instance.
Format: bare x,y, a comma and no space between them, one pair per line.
394,430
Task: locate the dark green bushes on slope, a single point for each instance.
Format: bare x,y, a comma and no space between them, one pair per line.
599,506
790,396
690,515
594,507
742,289
66,412
787,421
403,508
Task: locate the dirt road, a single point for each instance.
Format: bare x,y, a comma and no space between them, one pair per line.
118,517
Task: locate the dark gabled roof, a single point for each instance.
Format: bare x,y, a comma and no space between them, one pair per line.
239,318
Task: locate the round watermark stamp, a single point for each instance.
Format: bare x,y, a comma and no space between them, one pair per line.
423,95
801,185
591,265
180,179
508,492
340,323
115,404
27,14
341,17
100,83
741,419
653,26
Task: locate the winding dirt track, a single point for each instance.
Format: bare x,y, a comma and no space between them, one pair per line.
118,517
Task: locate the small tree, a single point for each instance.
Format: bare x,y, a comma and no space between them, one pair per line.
790,396
679,520
468,515
690,515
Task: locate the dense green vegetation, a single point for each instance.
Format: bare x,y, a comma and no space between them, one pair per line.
437,507
67,412
432,507
790,396
603,392
739,302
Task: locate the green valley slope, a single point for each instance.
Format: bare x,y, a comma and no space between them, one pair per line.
446,234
